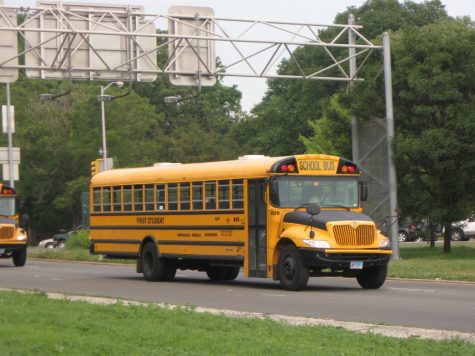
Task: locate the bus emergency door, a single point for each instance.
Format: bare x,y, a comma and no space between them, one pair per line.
257,220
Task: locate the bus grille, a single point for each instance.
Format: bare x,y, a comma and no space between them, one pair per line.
347,235
6,232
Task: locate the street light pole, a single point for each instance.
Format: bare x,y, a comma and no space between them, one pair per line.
103,123
102,98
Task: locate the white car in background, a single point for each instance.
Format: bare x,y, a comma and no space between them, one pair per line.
463,230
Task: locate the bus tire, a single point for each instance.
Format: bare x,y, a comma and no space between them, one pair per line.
153,267
372,278
170,271
222,273
19,258
293,275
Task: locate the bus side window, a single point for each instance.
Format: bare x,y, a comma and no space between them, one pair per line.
197,196
238,194
160,193
210,195
149,203
97,199
184,196
138,197
117,198
128,198
172,196
106,199
223,194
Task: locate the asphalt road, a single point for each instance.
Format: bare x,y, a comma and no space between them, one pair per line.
436,305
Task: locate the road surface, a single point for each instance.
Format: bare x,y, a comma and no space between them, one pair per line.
435,305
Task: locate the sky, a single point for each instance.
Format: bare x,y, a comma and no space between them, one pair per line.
301,11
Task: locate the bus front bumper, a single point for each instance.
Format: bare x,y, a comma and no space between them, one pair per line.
344,260
7,248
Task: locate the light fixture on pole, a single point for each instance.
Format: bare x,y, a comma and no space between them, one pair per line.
103,98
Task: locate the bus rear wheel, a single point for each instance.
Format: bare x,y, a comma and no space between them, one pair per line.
372,278
224,273
293,275
153,267
19,258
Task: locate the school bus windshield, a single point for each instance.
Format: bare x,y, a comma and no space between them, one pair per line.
295,191
7,206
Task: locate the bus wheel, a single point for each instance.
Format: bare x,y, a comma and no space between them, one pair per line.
153,267
372,278
293,275
170,271
222,273
19,258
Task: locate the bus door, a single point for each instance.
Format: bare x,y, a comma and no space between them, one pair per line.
257,220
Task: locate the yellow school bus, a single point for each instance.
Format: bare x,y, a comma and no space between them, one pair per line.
13,239
286,218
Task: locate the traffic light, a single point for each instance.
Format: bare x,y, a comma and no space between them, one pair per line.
95,167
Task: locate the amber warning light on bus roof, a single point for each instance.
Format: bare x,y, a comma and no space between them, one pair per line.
287,166
7,191
347,167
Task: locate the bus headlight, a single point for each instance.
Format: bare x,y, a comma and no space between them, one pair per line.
385,243
317,243
21,237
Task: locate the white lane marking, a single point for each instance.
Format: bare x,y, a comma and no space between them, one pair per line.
273,295
57,279
31,266
181,275
228,290
413,289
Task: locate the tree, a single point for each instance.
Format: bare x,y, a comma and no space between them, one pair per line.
435,79
434,101
292,109
332,132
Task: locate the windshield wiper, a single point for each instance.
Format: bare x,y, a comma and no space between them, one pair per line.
304,205
337,206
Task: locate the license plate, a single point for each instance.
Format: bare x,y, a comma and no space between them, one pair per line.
356,265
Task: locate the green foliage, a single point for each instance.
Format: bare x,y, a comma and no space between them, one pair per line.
61,326
332,132
435,78
78,240
293,108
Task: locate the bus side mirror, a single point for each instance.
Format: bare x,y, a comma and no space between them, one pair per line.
313,209
273,191
25,219
363,190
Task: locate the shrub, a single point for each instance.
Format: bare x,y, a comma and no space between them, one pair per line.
79,239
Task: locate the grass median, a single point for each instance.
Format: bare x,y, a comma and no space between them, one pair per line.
423,262
33,324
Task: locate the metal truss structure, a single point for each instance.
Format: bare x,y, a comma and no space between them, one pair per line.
110,42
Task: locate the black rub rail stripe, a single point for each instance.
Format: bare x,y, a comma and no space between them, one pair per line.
116,241
171,242
202,243
177,227
117,254
203,257
159,212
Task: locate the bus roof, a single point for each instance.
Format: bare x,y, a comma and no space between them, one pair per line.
241,168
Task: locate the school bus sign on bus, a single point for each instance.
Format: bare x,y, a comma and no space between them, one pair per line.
286,218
